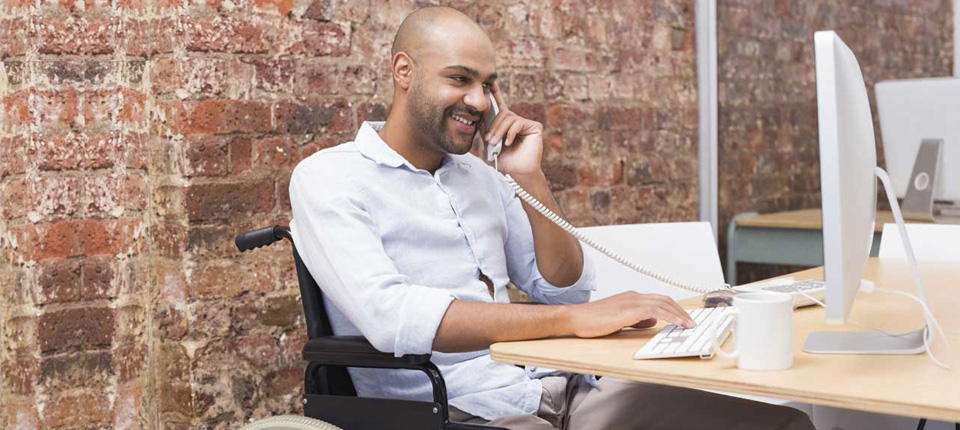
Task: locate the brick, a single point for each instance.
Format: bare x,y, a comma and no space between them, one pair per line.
322,39
12,155
284,382
602,173
619,118
573,58
127,409
17,196
279,7
16,111
21,334
371,111
99,278
276,153
522,52
275,74
22,412
280,311
241,155
326,117
646,170
171,323
20,374
56,108
129,361
175,398
75,151
206,202
531,111
13,33
326,10
221,279
359,79
206,156
75,370
150,36
88,409
107,108
59,281
283,195
227,116
76,35
226,34
75,328
173,363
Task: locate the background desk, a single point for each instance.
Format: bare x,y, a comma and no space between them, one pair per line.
792,238
901,385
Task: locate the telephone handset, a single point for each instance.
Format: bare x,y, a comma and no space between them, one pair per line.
493,152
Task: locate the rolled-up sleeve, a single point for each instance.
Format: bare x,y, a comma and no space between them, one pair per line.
522,261
338,241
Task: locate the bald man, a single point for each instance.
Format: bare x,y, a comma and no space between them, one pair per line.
414,240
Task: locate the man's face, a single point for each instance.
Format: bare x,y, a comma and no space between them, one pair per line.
449,94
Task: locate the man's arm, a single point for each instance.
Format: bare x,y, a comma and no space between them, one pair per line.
559,257
558,254
472,326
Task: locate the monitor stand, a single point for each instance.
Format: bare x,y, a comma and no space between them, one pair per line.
872,342
919,203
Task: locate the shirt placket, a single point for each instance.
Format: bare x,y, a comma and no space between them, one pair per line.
468,233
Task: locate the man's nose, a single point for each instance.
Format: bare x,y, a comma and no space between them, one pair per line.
477,99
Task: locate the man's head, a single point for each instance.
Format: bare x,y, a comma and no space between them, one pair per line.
443,66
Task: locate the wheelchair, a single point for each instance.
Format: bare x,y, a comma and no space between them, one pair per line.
329,394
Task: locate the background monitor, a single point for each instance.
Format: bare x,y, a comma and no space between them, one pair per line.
915,109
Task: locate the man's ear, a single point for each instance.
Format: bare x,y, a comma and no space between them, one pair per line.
403,70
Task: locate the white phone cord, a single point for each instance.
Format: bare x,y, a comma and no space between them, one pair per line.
523,194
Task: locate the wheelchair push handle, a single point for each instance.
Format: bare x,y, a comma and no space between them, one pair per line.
261,237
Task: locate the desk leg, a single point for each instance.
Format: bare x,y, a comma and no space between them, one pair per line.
732,246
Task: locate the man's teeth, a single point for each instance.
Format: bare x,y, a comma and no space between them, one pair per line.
461,119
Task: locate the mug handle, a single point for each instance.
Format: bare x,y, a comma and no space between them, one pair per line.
734,314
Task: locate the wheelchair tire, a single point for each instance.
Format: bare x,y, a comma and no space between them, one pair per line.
289,422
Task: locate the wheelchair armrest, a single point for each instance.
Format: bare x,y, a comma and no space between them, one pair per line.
356,351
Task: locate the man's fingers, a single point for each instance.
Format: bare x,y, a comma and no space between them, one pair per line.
513,131
495,90
647,323
675,309
499,127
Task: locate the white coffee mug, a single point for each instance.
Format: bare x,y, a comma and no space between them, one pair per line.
764,331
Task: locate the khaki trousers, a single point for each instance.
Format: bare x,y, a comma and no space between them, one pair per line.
569,402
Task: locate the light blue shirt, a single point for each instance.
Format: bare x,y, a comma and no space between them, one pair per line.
392,246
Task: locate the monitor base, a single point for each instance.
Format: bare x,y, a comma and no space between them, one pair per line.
864,342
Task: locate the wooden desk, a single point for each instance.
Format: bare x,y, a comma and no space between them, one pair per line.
792,238
901,385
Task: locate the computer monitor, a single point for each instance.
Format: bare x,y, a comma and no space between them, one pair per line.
848,172
910,111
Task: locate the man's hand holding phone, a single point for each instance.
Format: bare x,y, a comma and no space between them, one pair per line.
521,138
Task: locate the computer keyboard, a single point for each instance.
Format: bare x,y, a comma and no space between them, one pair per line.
811,287
676,341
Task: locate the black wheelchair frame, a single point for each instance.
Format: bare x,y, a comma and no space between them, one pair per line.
329,394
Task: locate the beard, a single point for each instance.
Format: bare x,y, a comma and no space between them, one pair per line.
431,125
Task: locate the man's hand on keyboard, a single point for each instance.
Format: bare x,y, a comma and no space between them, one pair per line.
629,309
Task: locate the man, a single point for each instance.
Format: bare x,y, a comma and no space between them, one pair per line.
414,241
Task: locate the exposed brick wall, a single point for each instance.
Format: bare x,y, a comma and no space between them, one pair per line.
768,145
138,137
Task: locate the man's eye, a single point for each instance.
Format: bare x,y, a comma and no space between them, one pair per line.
487,87
460,79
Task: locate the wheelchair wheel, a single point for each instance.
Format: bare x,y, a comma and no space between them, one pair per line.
289,422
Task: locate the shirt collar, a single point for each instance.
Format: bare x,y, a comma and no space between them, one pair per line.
370,144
